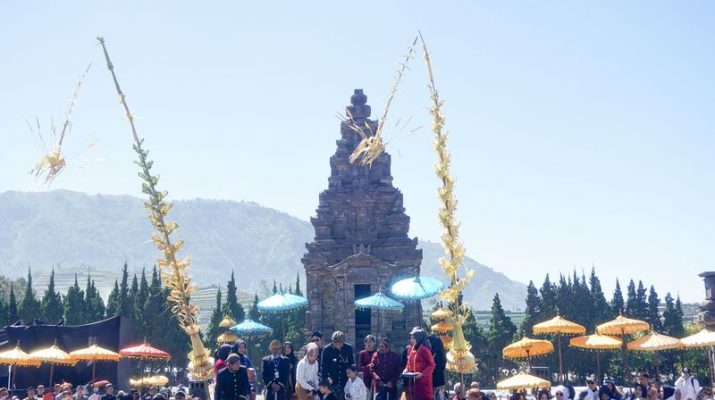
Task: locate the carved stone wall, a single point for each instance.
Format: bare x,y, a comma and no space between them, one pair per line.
361,237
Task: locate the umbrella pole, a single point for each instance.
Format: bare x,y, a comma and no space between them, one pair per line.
283,328
52,372
378,325
94,369
561,362
598,366
657,370
142,374
625,355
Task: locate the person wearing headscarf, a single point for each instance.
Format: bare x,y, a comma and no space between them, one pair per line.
239,347
440,363
420,365
335,360
289,353
612,389
220,357
307,379
385,370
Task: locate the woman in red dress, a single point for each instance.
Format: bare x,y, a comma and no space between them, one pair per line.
420,362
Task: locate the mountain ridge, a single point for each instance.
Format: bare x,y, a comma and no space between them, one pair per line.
43,229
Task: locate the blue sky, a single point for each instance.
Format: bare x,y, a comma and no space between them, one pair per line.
581,133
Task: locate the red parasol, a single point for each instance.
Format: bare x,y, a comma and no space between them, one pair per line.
144,352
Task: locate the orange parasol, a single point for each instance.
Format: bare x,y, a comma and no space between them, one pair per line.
93,354
522,381
596,342
17,358
622,326
53,355
559,326
528,348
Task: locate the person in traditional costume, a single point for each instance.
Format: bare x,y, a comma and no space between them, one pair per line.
355,387
364,360
232,381
385,369
336,358
276,373
420,366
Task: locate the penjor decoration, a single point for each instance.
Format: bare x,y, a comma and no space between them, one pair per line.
174,270
459,358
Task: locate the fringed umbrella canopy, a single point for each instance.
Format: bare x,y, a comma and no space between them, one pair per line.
95,353
158,380
596,342
416,288
654,342
251,328
226,337
522,381
559,325
622,326
17,358
379,301
282,302
144,352
226,322
704,338
528,348
441,314
442,327
54,355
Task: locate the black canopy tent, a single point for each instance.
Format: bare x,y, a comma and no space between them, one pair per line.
111,333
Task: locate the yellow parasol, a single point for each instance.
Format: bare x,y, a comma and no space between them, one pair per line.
522,381
17,358
622,326
93,354
597,342
226,337
559,326
527,348
226,322
704,338
53,355
441,314
655,342
442,327
157,380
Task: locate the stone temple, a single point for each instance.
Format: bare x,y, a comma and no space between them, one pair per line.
361,242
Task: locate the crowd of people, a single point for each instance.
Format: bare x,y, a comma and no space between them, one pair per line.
102,390
333,371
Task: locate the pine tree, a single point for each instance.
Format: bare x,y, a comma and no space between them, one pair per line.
297,290
12,314
94,305
532,309
154,308
172,337
233,307
617,303
52,310
275,288
653,314
3,311
547,308
30,308
641,301
500,334
139,304
125,307
254,314
133,293
113,301
672,318
216,316
74,304
601,311
632,301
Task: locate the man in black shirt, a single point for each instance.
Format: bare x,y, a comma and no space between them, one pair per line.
336,358
276,373
232,381
109,392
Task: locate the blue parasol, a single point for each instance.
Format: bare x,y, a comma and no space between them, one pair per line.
282,302
251,328
416,288
379,302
